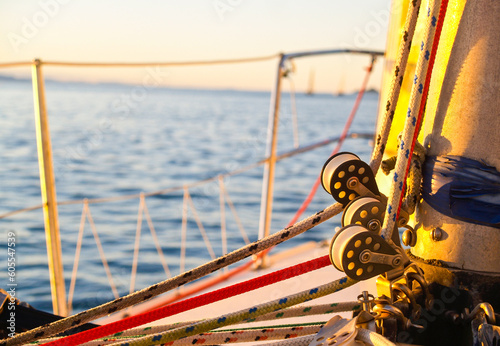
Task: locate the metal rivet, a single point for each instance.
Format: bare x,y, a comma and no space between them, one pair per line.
396,261
409,238
436,234
374,225
352,183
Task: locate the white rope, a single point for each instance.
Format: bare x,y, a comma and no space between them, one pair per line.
101,253
137,244
156,241
222,216
236,216
395,88
396,189
184,230
76,260
200,227
295,125
298,341
372,338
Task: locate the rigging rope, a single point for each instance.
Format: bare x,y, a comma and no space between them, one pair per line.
299,341
295,124
298,311
251,335
397,81
235,213
193,274
232,318
194,302
177,281
415,113
141,64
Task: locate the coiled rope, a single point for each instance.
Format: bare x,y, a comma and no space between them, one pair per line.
238,316
421,81
177,281
194,302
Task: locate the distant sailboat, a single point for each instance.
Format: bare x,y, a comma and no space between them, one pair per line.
310,87
341,89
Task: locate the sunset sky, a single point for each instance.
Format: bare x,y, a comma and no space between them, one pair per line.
175,30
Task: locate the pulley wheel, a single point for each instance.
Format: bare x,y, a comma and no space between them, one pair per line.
365,211
346,248
337,171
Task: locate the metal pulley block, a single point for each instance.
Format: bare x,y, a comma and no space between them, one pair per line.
364,211
346,177
339,331
362,254
369,212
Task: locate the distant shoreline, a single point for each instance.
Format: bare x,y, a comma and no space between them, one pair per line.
12,79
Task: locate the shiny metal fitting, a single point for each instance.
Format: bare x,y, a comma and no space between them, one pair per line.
437,234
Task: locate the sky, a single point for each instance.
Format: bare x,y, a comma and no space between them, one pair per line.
193,30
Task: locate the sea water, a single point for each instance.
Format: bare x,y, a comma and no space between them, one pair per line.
117,140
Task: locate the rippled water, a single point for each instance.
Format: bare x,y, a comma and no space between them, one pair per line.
112,140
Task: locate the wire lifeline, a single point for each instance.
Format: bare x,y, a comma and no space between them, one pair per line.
397,81
238,316
142,64
177,281
194,302
414,114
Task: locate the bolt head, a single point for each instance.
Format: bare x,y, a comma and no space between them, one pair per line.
374,225
396,261
437,234
352,183
406,237
409,238
364,257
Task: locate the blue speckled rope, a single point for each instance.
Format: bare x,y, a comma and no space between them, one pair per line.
224,320
410,126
